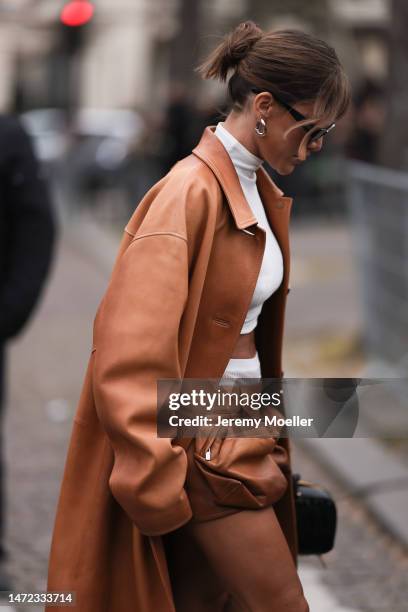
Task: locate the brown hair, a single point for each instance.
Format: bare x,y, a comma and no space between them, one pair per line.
297,66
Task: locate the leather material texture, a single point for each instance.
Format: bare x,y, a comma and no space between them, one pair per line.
174,307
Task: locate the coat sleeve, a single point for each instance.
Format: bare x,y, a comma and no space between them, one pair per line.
136,342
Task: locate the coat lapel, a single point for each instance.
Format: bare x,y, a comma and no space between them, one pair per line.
277,206
212,152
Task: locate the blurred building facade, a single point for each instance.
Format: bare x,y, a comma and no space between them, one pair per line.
124,60
134,49
111,70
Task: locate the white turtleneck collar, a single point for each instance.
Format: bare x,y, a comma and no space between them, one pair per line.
245,162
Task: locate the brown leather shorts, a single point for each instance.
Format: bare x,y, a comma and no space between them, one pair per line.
243,473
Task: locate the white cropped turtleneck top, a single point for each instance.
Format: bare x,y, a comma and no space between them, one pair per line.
271,274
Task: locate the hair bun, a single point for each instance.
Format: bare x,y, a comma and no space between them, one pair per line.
232,50
240,41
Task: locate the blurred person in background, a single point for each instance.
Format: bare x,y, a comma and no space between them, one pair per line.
184,123
27,235
368,116
177,141
198,291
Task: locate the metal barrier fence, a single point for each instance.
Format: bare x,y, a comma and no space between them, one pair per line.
378,205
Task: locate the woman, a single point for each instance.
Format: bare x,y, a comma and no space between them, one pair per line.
198,291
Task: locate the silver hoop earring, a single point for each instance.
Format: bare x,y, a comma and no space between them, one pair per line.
260,127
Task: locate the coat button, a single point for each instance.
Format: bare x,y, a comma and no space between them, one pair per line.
288,290
280,204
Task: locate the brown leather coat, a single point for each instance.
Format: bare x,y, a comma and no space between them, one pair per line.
179,292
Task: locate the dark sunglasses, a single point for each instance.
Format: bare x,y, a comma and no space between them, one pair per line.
316,133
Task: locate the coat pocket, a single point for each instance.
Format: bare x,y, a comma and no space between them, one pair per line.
242,472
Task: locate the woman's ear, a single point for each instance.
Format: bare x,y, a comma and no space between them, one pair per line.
263,104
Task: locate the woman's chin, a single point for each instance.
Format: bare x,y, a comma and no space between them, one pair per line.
285,169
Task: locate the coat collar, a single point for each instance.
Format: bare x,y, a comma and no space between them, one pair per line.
212,152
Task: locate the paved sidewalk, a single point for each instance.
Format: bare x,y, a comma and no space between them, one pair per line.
367,469
367,569
322,339
323,313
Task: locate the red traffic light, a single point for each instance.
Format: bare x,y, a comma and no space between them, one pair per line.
77,13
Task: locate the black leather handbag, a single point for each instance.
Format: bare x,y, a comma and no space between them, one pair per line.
316,517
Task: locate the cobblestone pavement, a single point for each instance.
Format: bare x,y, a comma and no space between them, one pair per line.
365,573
